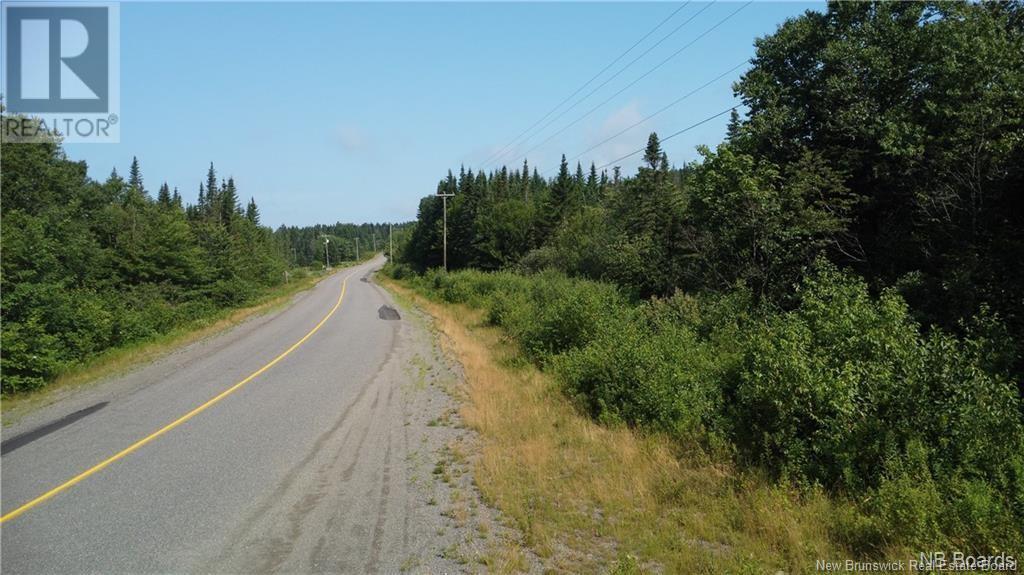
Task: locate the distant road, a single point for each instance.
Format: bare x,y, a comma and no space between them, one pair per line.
299,468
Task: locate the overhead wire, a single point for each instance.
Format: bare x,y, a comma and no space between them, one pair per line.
501,152
641,77
612,77
670,136
664,108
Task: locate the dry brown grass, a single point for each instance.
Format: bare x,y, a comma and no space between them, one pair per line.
586,496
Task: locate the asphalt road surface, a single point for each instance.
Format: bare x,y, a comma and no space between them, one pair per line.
302,468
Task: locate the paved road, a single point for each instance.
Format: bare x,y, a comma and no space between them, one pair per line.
300,469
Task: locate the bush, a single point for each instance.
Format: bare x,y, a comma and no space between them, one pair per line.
842,391
397,271
562,314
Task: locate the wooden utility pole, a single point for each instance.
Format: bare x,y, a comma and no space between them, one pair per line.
444,209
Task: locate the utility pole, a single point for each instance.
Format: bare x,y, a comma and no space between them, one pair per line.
444,210
391,243
374,242
357,248
327,254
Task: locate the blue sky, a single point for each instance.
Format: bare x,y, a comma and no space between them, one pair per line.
331,112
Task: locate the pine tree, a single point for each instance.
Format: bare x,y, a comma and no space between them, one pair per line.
212,206
591,190
211,181
252,213
176,198
526,183
229,207
733,131
164,196
652,155
561,190
135,176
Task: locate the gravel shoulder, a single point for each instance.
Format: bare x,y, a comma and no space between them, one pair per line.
388,488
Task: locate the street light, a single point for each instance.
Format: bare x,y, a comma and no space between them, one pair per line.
327,254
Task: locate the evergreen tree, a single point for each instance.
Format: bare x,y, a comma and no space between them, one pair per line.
525,183
211,181
212,206
135,177
652,154
201,203
733,129
252,213
229,206
164,196
591,192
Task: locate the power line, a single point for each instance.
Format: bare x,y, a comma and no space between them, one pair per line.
511,147
585,84
641,77
670,136
664,108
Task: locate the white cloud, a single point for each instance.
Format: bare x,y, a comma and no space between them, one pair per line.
618,120
352,139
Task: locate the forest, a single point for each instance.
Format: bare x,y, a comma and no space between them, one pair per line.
90,266
833,295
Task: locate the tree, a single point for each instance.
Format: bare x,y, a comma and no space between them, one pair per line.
252,213
229,206
918,106
212,206
652,153
592,190
92,265
135,177
164,196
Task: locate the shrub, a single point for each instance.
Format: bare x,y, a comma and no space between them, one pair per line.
562,314
842,391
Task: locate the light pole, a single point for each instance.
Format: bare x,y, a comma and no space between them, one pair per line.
357,248
327,254
391,244
444,211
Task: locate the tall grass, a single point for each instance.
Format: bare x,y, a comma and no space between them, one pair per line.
844,392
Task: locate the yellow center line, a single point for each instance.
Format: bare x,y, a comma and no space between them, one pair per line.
135,446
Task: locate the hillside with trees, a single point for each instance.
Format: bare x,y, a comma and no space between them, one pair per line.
90,266
834,294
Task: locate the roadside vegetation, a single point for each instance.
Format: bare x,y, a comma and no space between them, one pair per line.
919,444
830,300
94,269
592,497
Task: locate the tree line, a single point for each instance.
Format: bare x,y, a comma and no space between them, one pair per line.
306,246
885,138
833,294
89,266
